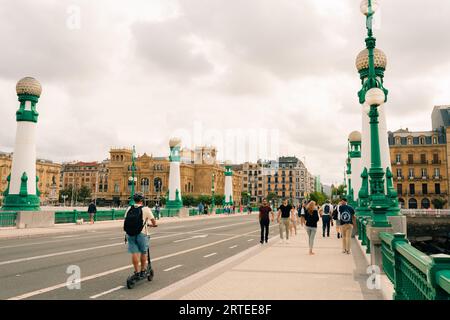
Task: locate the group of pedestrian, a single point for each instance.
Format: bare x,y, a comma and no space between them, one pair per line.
308,215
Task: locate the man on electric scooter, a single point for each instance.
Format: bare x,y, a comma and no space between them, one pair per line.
136,225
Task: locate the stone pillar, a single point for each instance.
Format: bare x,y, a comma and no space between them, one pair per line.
22,193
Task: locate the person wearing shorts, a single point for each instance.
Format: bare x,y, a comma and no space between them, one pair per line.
138,244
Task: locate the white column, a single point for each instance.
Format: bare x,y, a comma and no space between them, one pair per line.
384,143
228,188
24,157
174,180
356,176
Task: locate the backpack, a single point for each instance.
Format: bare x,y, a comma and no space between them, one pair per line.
346,217
326,209
134,222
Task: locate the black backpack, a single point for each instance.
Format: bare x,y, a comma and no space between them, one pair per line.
327,208
134,222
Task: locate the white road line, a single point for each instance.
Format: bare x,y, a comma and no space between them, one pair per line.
210,255
233,247
98,275
106,292
250,240
61,237
59,253
174,267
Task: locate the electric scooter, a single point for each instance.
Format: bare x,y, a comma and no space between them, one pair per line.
149,273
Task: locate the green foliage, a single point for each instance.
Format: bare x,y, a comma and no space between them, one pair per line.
188,200
439,203
84,193
318,197
245,197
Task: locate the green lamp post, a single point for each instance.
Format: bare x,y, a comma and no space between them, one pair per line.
132,179
213,201
374,94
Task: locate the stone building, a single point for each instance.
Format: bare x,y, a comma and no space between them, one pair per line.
152,175
420,162
47,172
287,177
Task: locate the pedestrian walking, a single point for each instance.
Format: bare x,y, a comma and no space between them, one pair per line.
205,210
327,211
92,210
200,208
347,219
283,218
294,221
264,220
335,218
249,209
310,219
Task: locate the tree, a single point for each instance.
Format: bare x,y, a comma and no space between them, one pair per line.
439,203
272,196
318,197
84,193
339,191
188,200
245,196
65,192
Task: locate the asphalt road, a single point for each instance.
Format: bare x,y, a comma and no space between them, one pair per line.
36,268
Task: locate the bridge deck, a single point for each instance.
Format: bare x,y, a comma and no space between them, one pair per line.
285,272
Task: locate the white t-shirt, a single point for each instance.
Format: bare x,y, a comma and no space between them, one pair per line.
330,207
147,215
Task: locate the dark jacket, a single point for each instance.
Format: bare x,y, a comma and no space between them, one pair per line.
92,208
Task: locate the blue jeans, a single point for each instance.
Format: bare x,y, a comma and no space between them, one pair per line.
311,235
326,221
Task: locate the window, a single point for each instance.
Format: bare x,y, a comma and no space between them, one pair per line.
423,158
412,189
398,158
435,158
399,172
116,188
437,172
411,172
399,189
424,188
434,140
424,172
397,140
437,188
410,158
409,141
422,140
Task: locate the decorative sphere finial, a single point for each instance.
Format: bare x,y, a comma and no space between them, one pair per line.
379,57
30,86
355,136
175,142
365,6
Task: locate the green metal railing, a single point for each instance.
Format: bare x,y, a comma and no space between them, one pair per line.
74,215
415,275
165,212
8,218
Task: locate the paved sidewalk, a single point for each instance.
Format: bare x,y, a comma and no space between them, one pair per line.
64,228
277,271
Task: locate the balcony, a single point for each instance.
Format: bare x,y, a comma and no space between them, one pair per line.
437,177
436,161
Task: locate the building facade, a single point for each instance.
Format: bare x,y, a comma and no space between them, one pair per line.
420,163
47,171
152,175
286,178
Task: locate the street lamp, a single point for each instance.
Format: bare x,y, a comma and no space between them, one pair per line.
64,196
373,94
213,201
132,179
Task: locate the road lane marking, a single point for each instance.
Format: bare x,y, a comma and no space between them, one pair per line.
174,267
233,247
111,245
190,238
106,292
98,275
210,255
59,254
61,237
250,240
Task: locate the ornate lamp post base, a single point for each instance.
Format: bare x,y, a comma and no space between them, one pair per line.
15,202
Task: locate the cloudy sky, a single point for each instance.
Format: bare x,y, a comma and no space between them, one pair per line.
271,77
